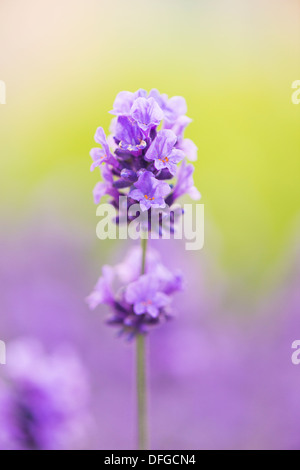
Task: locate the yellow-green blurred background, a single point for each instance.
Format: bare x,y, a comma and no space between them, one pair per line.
234,61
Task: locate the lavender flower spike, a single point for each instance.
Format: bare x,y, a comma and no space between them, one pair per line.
142,153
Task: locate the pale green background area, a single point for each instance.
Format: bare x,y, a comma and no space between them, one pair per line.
234,61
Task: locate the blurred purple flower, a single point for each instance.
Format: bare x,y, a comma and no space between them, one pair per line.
222,371
137,301
145,296
43,399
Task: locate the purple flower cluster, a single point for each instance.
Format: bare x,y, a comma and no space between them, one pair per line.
143,159
137,301
43,399
141,156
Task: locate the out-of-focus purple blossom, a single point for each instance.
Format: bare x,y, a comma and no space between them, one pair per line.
138,301
43,399
145,296
102,293
130,268
231,350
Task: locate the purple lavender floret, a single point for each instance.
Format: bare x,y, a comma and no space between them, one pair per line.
163,152
184,185
149,191
105,187
129,136
145,296
136,301
147,113
137,152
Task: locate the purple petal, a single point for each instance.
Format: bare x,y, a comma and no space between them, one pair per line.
162,189
190,149
146,183
136,194
134,292
99,156
179,126
162,145
100,138
139,308
153,311
102,292
161,99
123,103
99,191
194,193
141,93
161,300
176,107
129,134
147,113
145,204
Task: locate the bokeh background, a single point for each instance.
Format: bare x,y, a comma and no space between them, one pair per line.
221,373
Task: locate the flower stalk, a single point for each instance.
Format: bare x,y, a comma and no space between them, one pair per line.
143,161
141,374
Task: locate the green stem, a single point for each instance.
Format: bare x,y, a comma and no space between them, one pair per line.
141,392
144,251
141,374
